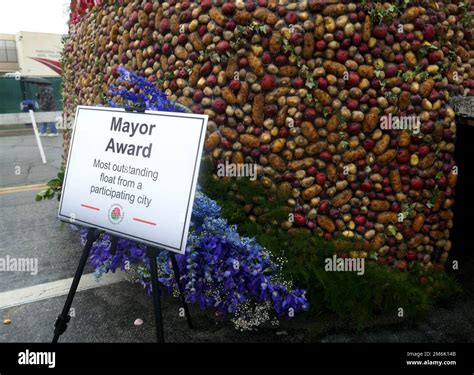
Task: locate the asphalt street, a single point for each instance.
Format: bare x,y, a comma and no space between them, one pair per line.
20,159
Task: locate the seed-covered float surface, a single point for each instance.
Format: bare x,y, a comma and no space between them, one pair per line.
342,106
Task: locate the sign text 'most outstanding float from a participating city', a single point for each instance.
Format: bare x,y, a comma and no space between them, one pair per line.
134,174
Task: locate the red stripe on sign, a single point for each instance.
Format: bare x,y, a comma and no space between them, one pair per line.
144,221
90,207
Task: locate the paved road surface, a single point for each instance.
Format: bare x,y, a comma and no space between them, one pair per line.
20,160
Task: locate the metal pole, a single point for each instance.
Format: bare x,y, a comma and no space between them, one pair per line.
38,140
156,295
64,318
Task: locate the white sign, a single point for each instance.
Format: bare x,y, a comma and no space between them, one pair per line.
134,174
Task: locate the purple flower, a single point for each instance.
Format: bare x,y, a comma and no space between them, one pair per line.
220,269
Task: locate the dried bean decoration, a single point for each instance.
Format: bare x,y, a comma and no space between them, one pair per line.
303,90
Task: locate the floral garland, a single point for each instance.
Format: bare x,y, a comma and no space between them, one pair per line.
220,269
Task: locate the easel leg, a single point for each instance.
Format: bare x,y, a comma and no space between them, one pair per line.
181,291
156,295
61,322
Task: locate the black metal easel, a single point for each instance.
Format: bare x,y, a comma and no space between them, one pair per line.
152,252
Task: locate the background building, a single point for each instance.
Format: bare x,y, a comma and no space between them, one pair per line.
8,54
24,57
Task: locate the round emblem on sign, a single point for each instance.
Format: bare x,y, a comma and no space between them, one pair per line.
115,214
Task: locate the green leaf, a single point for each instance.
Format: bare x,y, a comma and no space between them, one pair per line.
267,270
40,196
310,85
54,182
424,76
426,48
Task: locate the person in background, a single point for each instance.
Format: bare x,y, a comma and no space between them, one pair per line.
46,104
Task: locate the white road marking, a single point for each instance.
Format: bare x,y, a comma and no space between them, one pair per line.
57,288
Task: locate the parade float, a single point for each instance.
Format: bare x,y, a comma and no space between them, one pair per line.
342,107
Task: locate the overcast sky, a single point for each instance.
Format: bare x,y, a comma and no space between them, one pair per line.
48,16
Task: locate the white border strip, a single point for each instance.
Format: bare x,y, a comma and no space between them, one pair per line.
57,288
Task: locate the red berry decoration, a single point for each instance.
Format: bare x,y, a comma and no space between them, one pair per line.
299,219
416,183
